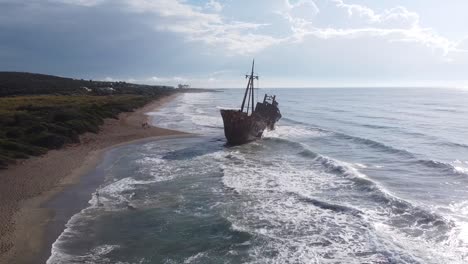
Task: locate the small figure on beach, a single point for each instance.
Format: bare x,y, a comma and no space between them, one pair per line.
98,203
145,125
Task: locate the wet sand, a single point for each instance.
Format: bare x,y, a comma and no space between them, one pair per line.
25,187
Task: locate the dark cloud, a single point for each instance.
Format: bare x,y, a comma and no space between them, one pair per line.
82,41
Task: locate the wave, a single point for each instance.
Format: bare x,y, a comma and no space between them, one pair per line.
456,144
440,109
396,205
288,196
379,117
373,143
364,141
358,124
395,150
74,228
455,167
445,167
377,126
311,126
460,166
282,131
376,144
403,213
362,182
329,206
96,255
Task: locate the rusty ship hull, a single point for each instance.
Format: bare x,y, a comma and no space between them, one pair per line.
240,128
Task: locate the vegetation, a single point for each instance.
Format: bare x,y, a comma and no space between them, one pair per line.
31,125
19,83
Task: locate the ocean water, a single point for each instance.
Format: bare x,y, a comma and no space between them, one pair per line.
348,176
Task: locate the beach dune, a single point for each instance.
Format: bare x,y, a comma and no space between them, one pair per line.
24,187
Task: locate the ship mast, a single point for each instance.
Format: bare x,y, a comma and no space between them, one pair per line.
249,90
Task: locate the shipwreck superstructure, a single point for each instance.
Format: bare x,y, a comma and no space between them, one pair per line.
248,123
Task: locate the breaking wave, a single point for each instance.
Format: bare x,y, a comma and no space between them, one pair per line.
338,196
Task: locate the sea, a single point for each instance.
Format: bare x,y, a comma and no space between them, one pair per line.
370,175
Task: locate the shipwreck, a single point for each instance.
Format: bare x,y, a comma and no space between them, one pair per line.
248,123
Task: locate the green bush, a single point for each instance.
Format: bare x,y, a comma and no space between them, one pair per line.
48,140
8,148
82,126
4,161
13,133
35,129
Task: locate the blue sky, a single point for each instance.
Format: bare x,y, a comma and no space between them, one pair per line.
210,43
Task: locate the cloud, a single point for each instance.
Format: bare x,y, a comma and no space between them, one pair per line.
394,17
396,25
199,23
302,8
174,80
213,5
215,80
87,3
220,73
211,28
204,22
165,80
361,11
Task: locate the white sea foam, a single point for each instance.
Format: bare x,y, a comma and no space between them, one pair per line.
424,250
241,173
460,166
158,168
95,255
293,131
151,161
191,114
458,237
294,227
195,257
293,235
207,121
117,195
226,108
299,233
360,165
114,196
76,223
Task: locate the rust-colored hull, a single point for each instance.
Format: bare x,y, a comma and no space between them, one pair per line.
240,128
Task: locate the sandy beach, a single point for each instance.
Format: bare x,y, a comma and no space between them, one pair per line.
25,187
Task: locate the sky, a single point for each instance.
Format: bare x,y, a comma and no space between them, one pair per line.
211,43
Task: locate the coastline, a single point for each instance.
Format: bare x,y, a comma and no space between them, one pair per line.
24,191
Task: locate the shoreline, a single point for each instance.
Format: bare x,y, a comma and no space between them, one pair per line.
75,198
24,218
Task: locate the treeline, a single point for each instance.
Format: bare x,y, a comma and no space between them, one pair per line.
19,83
42,112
